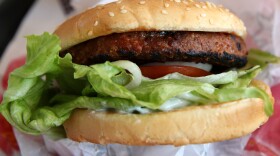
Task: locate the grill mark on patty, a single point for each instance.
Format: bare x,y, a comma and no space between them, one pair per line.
144,47
238,45
192,55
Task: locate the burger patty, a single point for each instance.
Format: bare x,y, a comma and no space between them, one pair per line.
220,49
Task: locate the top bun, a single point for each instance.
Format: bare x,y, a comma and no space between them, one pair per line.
148,15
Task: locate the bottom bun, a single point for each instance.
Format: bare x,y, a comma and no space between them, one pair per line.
190,125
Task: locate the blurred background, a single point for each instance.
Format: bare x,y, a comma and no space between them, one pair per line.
13,12
11,15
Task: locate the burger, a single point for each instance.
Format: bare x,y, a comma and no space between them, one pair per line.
139,72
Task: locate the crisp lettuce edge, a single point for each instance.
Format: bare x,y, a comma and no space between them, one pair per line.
28,86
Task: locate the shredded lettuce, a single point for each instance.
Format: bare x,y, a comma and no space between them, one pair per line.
261,58
42,94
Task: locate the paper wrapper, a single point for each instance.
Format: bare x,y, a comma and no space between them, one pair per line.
262,19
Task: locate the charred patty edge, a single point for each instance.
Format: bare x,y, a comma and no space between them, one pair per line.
219,59
216,48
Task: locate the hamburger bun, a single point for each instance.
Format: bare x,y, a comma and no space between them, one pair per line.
150,15
190,125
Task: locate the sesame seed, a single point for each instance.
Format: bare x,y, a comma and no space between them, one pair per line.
164,12
208,4
178,1
197,5
204,7
142,2
123,11
119,1
214,6
185,2
221,10
171,0
100,7
203,15
211,21
190,0
122,7
188,9
96,23
111,14
166,5
231,15
90,33
227,10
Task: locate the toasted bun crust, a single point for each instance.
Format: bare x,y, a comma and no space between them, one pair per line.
191,125
150,15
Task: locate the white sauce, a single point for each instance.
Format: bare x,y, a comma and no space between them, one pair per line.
171,104
174,103
203,66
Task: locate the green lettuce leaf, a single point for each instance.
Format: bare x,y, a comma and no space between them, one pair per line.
261,58
215,79
231,94
42,94
244,78
40,59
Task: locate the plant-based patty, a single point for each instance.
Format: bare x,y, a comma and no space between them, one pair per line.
159,46
180,102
